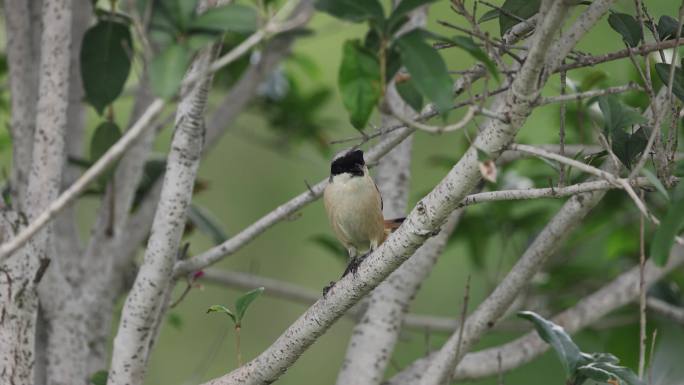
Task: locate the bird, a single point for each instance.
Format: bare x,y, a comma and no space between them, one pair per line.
353,204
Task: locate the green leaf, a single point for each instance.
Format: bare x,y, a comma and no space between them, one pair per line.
469,46
105,62
617,115
656,183
667,27
489,15
669,227
568,353
410,95
403,8
105,135
207,223
663,71
352,10
628,147
223,309
243,302
524,9
167,70
231,17
427,68
99,378
627,26
604,371
359,82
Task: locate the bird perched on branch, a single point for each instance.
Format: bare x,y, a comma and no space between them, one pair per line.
354,207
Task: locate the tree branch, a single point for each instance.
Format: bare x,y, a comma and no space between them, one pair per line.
144,303
619,292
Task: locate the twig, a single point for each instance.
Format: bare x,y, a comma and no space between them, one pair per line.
642,296
589,94
561,132
589,61
470,114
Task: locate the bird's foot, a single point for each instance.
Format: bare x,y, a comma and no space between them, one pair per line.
354,264
327,288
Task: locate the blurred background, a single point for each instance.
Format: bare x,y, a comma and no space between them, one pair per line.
281,142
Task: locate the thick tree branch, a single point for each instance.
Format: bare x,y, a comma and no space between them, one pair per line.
23,273
144,303
23,82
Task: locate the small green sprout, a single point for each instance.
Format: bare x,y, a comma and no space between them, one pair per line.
241,305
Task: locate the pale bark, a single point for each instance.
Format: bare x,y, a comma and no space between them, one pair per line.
144,302
23,272
23,60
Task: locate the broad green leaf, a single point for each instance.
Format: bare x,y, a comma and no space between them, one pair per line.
152,171
469,46
627,147
167,70
231,17
105,135
403,9
669,227
667,27
106,53
604,371
207,223
627,26
410,95
616,115
524,9
352,10
489,15
656,183
568,353
359,82
99,378
427,68
663,71
223,309
592,372
243,303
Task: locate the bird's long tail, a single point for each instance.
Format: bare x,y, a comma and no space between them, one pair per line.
391,225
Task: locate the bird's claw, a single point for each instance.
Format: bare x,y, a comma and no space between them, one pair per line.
354,264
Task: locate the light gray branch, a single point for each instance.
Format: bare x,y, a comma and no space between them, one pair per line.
23,82
22,274
143,304
665,309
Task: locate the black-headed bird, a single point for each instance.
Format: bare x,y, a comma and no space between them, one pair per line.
354,207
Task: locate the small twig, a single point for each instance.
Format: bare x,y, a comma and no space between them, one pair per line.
464,313
589,94
561,133
589,61
650,357
642,296
674,53
470,114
